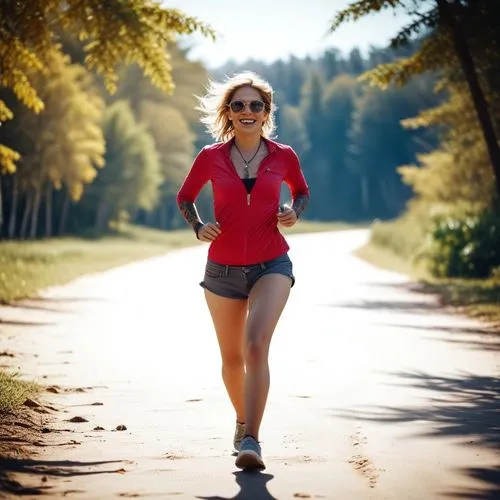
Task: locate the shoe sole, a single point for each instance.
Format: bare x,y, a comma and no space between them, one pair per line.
249,460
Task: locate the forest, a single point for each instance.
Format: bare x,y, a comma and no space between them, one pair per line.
405,137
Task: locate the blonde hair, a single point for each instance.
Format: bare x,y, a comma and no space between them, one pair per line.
213,105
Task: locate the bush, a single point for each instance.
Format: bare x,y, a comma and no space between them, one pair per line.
464,246
403,236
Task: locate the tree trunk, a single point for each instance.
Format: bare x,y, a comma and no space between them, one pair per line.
150,218
37,198
385,195
64,215
447,8
26,215
11,230
364,195
100,219
48,211
163,216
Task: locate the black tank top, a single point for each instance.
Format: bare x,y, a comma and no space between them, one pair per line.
249,183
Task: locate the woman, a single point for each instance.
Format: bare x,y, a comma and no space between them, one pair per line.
248,274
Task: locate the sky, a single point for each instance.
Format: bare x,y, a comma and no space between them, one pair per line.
268,30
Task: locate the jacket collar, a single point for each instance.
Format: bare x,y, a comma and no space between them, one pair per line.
271,145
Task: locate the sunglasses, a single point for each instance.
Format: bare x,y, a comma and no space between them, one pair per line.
255,106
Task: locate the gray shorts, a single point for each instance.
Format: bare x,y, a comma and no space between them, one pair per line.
235,282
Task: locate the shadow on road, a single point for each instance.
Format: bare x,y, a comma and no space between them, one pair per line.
413,306
45,469
465,406
479,339
489,477
13,322
252,487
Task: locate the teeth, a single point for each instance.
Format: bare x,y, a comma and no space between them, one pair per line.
247,121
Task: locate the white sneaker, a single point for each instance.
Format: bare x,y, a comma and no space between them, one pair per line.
250,455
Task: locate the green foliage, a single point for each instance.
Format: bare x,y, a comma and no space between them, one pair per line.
467,246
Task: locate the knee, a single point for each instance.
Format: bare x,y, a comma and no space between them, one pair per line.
232,362
256,351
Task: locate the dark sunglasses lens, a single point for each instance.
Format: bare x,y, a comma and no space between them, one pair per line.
256,106
237,106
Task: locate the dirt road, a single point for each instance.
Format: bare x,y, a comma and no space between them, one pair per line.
376,391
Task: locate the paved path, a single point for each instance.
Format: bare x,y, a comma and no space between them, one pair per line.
377,392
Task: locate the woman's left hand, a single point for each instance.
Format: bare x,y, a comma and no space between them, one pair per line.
287,217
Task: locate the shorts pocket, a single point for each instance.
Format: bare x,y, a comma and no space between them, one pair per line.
213,271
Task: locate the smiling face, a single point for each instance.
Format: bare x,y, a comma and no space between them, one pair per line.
247,121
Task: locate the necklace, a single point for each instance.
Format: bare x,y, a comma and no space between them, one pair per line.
247,163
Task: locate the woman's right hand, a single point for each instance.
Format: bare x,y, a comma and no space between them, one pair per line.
208,232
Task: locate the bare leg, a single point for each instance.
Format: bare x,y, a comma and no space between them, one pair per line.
229,317
267,301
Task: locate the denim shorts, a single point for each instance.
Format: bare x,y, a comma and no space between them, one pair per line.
235,282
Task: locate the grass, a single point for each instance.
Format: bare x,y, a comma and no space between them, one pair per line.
27,267
14,392
478,298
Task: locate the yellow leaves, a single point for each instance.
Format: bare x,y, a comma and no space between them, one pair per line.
5,112
136,31
117,32
18,63
8,157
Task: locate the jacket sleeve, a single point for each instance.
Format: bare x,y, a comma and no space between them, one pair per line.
196,178
297,183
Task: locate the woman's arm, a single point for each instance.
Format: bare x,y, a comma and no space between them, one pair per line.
297,184
197,177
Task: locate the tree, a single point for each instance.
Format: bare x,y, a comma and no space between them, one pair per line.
338,103
131,176
457,173
170,120
62,146
114,32
377,121
449,27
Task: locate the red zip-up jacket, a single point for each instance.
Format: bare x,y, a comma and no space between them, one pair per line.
248,222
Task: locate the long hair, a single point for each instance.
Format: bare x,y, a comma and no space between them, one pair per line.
213,105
